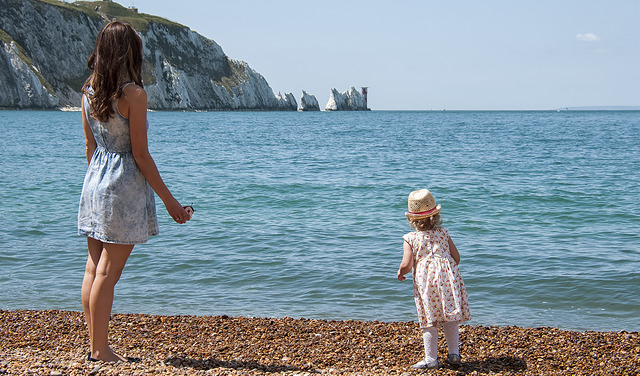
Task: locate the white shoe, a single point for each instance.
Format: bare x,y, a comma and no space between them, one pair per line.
426,364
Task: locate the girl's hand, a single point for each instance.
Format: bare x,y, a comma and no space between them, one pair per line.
177,212
454,251
407,261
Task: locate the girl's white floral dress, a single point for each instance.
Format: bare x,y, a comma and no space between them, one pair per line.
438,288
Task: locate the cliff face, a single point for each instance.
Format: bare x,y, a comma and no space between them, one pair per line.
20,84
45,44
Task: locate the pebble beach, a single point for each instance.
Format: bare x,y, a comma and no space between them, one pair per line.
55,343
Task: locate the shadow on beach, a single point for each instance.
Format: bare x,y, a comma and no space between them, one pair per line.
491,365
211,363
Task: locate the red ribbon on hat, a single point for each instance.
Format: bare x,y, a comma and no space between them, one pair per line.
424,212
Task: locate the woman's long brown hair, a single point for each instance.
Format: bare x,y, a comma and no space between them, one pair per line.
116,60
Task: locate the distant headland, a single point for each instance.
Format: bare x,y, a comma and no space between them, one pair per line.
601,108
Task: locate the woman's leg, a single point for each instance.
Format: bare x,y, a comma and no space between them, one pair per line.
107,273
95,249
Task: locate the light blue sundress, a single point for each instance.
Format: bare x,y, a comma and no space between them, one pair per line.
117,204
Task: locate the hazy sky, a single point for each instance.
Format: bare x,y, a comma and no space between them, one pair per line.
428,54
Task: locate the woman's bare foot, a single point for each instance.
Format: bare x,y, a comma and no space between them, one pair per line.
106,356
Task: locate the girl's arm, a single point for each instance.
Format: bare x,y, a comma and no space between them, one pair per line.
407,261
89,140
454,251
133,105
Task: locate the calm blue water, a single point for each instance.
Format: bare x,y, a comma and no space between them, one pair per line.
302,214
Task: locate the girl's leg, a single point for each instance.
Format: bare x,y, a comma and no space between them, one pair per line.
430,338
95,249
451,334
107,273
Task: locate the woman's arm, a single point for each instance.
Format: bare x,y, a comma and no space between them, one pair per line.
407,261
454,251
89,139
133,105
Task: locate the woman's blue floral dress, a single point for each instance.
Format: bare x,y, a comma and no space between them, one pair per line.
117,204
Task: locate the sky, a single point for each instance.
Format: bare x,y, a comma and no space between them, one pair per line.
430,54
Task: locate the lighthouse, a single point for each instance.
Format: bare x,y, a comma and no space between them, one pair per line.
364,93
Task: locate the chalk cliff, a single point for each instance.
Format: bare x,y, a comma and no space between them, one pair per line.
308,102
44,47
21,85
349,100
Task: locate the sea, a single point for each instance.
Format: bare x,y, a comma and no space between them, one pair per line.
301,214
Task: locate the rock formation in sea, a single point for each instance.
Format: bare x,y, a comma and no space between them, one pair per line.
308,102
286,101
44,47
349,100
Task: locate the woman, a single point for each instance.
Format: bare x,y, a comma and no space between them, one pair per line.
117,205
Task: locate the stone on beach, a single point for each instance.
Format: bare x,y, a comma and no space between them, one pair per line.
56,343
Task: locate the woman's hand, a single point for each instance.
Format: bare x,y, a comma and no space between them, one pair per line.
177,212
401,277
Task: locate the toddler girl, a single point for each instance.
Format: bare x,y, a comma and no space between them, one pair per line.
440,295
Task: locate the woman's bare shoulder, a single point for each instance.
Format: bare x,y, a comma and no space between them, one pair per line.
134,95
133,90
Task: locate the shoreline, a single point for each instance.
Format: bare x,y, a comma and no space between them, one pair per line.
55,343
561,109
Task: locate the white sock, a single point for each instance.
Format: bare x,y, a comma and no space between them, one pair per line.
451,334
430,338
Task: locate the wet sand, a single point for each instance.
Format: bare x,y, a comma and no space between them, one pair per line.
55,343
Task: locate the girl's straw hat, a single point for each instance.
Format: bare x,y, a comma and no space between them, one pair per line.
422,204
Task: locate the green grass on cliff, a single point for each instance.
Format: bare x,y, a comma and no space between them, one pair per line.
113,11
70,6
238,76
4,37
